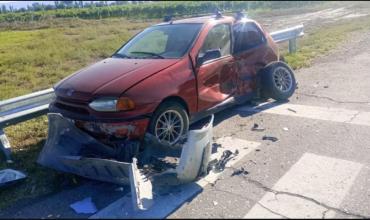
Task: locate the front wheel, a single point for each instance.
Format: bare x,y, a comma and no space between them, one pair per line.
170,122
278,81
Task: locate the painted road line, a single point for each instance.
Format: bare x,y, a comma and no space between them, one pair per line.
324,179
166,204
312,112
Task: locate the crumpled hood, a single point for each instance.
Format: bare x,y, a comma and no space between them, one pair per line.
109,77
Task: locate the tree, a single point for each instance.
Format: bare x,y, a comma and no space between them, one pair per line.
37,7
68,4
121,2
3,9
49,7
22,10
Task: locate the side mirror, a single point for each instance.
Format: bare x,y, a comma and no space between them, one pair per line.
208,55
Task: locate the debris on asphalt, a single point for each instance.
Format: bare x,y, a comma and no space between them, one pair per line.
211,165
85,206
215,147
285,129
10,176
141,188
257,128
215,203
292,110
240,171
226,156
270,138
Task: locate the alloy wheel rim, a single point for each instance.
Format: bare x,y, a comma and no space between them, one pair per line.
169,127
282,79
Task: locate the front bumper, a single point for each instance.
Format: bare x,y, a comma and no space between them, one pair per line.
131,130
103,127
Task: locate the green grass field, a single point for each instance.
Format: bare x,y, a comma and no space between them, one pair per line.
35,55
35,59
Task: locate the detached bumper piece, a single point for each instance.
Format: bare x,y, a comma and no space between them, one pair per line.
9,177
69,149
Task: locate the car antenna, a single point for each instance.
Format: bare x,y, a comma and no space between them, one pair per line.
218,13
168,18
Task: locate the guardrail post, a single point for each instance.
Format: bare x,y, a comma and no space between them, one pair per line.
292,45
5,146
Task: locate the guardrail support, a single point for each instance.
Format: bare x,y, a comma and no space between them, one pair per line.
292,45
5,146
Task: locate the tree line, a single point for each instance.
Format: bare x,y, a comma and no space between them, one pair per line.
136,9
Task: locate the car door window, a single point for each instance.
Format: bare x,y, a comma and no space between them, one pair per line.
247,36
218,38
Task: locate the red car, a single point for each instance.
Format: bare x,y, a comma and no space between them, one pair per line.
173,74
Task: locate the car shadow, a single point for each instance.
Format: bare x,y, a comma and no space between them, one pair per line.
246,109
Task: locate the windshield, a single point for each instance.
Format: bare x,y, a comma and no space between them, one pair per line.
161,42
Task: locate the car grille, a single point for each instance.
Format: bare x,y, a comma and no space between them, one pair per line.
71,106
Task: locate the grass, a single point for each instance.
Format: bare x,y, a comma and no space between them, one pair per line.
319,41
35,55
35,59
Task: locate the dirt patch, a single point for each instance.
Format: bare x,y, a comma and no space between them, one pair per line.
312,19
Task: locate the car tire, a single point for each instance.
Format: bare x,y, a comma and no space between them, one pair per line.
278,81
166,110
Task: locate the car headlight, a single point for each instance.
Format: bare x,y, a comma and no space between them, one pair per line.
112,104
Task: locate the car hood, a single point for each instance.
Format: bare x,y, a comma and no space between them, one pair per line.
109,77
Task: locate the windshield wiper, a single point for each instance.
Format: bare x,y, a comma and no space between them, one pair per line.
121,55
149,53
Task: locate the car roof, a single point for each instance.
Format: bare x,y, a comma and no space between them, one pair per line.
198,20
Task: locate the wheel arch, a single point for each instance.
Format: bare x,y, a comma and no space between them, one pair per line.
176,99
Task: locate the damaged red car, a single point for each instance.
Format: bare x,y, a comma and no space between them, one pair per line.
173,74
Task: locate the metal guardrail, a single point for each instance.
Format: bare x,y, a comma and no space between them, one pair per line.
19,109
23,108
289,34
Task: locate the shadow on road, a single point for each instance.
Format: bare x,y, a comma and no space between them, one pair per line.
251,107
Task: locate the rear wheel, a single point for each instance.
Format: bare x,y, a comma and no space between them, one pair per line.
278,81
170,122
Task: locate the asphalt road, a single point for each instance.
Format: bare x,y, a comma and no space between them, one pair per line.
319,167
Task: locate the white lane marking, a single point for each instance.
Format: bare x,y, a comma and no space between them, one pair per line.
165,205
313,112
324,179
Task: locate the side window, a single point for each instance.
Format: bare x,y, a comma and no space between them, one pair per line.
247,36
218,38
